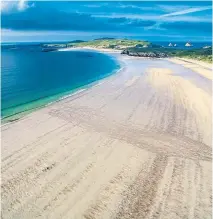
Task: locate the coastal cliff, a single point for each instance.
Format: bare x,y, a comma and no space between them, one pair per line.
203,54
145,54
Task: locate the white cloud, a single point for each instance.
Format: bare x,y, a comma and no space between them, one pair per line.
92,6
99,5
171,8
154,17
131,6
115,15
6,31
6,6
183,15
175,16
187,11
21,5
2,6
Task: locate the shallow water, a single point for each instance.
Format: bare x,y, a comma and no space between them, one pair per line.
31,78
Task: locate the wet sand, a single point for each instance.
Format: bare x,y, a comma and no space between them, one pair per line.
136,145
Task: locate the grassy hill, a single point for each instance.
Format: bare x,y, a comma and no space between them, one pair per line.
102,43
108,43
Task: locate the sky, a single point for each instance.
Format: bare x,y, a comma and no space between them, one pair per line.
68,20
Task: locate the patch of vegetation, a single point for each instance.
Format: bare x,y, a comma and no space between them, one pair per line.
111,43
203,54
106,43
199,54
105,38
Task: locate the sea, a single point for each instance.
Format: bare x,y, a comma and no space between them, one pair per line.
31,78
181,44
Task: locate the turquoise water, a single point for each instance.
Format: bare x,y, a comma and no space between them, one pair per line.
32,79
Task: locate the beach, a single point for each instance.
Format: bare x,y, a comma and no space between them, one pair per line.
135,145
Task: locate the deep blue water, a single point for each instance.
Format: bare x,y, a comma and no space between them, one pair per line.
31,78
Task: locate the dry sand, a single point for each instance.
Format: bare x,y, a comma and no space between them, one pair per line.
91,48
137,145
200,67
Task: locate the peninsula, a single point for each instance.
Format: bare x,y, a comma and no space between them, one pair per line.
137,48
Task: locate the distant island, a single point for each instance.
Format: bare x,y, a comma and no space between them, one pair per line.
171,45
188,44
139,48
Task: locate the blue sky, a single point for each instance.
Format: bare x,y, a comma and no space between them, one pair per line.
67,20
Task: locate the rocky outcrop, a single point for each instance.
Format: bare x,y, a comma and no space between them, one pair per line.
188,44
145,54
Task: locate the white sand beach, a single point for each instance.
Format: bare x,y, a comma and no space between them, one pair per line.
135,145
91,48
195,65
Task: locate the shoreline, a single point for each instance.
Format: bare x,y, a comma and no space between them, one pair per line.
117,56
185,62
66,94
142,135
91,48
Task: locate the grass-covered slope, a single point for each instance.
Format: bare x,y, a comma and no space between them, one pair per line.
110,43
106,43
